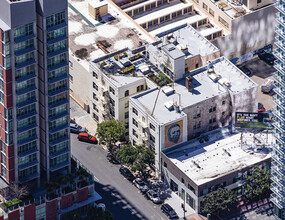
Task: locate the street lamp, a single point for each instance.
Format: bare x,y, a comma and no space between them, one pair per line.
184,210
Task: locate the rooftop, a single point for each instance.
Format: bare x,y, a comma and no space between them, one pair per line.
113,33
224,77
223,153
191,41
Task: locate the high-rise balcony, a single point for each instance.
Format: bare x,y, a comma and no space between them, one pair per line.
280,31
280,91
280,6
279,102
279,67
278,191
279,180
26,89
280,18
276,200
280,44
28,165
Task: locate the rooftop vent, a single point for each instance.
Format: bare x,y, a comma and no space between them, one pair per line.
169,105
168,90
171,48
225,82
211,70
215,77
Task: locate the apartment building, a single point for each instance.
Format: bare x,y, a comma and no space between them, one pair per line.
240,20
114,78
205,99
277,171
34,110
194,168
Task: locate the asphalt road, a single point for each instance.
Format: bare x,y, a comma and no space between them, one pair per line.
122,198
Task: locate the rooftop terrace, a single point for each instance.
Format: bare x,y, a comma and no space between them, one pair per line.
224,153
114,33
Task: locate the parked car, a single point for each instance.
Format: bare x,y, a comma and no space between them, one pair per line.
261,107
127,173
169,211
245,70
76,129
267,86
267,57
153,196
140,185
87,138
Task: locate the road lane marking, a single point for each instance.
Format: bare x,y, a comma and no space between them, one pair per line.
96,178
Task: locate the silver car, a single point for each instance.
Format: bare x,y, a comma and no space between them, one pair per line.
140,185
153,196
75,128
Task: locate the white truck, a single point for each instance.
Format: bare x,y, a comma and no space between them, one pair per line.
267,86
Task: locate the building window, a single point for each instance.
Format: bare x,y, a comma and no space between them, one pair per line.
135,133
95,75
152,126
112,90
223,102
95,86
212,119
182,180
96,117
126,115
223,22
205,7
139,88
152,138
212,108
191,188
94,95
197,114
143,119
190,201
127,104
126,93
135,122
259,1
196,1
165,164
197,125
135,111
211,12
55,19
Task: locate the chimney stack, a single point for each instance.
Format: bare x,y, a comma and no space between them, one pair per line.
189,82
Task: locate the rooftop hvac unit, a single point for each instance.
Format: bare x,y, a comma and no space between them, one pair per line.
169,105
168,90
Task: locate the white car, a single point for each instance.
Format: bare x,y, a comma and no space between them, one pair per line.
153,196
140,185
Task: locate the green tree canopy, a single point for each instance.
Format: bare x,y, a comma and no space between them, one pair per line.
136,157
257,183
127,154
110,132
217,201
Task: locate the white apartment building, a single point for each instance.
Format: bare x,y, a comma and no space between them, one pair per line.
205,99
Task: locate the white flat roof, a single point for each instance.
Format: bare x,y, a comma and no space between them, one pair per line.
139,5
162,12
97,3
204,88
224,153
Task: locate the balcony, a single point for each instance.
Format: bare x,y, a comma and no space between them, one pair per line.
25,90
23,51
32,151
278,54
26,102
25,77
58,115
277,190
278,170
24,64
52,54
24,38
280,6
279,103
58,91
279,18
59,140
57,66
59,166
58,103
27,140
57,39
64,24
58,128
29,178
27,127
58,153
280,78
280,31
280,91
58,78
27,165
279,68
21,117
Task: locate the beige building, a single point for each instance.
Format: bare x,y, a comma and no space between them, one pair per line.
224,159
203,100
97,8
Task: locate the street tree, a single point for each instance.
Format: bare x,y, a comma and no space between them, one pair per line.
109,132
218,201
257,184
127,154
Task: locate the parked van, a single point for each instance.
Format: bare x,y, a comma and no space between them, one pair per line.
267,86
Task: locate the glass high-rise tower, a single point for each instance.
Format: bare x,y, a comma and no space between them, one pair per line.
34,90
278,155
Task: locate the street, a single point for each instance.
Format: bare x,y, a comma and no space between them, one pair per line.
122,198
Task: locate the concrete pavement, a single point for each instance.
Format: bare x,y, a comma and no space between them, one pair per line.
119,195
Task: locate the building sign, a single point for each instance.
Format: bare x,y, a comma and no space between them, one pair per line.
254,120
173,134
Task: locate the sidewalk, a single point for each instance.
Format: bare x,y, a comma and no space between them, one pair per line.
82,118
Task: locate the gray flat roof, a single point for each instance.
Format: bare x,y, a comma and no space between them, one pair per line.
172,51
224,153
203,88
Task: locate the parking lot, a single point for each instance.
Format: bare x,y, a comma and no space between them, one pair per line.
260,72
